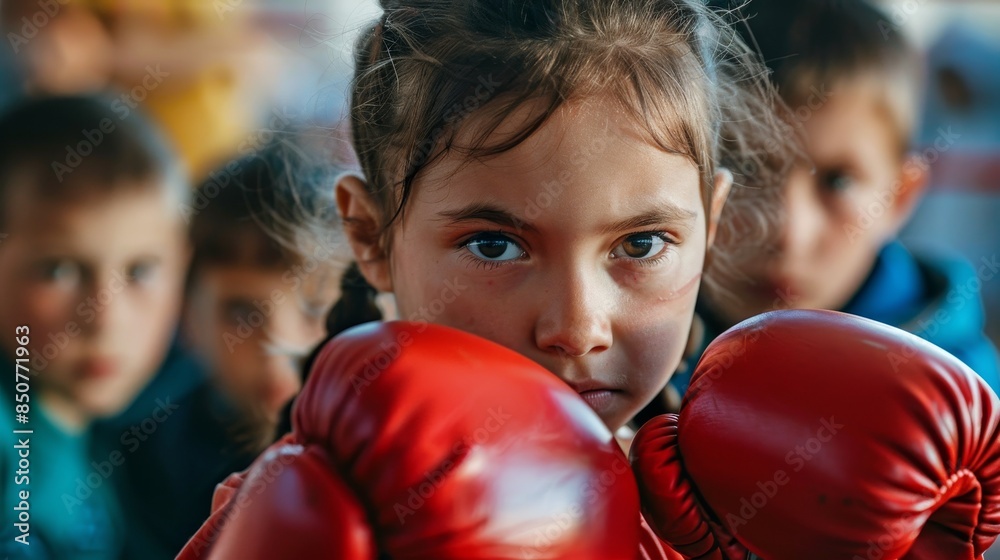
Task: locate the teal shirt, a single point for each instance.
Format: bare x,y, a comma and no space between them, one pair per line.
73,513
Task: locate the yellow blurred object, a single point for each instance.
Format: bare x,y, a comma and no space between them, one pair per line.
202,113
204,120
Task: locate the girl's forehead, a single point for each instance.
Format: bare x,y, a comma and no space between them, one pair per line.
575,135
581,167
499,124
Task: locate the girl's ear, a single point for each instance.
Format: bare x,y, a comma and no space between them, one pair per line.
361,224
723,184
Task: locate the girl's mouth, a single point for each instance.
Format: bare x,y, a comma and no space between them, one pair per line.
599,399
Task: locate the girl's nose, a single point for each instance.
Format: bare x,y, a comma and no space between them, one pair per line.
575,320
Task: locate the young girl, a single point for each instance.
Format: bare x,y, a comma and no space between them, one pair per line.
551,176
548,175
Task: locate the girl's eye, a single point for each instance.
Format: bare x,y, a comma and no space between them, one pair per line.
494,247
641,246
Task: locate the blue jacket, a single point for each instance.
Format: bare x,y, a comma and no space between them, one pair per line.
936,297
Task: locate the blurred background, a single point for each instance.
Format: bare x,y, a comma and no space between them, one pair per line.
220,77
961,212
229,68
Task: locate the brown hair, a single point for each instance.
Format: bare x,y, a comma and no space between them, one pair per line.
264,210
675,66
73,148
814,46
271,210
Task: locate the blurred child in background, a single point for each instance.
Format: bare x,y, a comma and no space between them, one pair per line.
853,93
257,297
92,265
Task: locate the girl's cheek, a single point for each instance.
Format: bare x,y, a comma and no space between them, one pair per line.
688,291
674,296
650,354
490,307
669,275
657,322
660,315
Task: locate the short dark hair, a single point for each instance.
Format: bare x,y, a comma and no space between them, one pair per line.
811,45
255,210
68,147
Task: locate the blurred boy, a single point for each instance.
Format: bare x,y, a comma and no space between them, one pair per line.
851,82
258,294
258,291
92,267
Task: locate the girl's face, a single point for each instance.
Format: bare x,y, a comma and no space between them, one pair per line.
582,248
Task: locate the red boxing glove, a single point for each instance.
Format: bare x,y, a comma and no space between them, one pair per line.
815,434
420,441
286,505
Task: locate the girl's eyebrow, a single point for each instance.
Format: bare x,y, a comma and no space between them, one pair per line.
486,212
664,213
